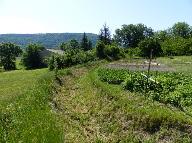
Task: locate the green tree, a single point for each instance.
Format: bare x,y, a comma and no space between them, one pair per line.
70,45
32,58
85,43
8,54
150,44
90,44
177,46
131,35
105,35
63,46
162,35
181,29
74,44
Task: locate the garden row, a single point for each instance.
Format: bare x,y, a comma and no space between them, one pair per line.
166,87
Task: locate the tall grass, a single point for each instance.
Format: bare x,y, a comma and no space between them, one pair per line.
28,117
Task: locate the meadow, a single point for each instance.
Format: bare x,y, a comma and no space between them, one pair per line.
25,113
88,103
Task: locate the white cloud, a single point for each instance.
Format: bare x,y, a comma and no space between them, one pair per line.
21,25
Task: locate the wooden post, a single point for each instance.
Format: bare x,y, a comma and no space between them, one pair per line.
149,67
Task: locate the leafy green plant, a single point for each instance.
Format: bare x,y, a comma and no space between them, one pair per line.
165,87
112,76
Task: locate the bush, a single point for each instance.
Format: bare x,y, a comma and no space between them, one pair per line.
71,58
100,50
110,52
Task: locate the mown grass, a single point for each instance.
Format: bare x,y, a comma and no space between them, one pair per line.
180,63
15,83
25,113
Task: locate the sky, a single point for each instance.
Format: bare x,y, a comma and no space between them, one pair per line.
77,16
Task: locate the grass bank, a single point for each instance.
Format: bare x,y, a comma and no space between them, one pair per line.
25,113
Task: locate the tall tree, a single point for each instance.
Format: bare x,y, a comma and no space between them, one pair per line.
90,44
131,35
85,43
181,29
32,58
105,35
8,54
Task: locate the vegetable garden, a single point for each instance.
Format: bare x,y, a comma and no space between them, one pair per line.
166,87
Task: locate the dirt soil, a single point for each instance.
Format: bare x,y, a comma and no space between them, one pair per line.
139,66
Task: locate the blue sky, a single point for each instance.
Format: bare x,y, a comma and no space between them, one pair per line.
44,16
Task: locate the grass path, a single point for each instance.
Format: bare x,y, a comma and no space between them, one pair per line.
93,111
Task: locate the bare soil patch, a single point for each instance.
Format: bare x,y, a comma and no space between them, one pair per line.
139,66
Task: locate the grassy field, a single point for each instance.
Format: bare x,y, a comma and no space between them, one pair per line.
79,107
25,113
180,63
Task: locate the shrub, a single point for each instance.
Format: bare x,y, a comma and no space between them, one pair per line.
113,52
71,58
110,52
100,50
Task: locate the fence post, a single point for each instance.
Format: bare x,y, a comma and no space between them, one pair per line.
149,67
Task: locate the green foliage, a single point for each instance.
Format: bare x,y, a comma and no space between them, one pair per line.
100,46
71,57
105,35
32,58
169,88
25,113
70,45
150,44
113,52
132,52
110,52
74,44
131,35
112,76
177,46
8,54
181,29
161,35
86,44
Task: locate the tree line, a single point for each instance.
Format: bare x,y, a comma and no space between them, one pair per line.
49,40
132,39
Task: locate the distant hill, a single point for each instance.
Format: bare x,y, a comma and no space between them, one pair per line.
49,40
